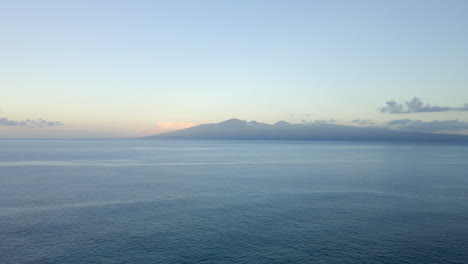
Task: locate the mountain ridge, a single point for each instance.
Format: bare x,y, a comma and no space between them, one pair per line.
236,129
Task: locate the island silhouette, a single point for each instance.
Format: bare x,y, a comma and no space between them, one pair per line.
236,129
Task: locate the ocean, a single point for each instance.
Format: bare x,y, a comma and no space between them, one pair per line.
143,201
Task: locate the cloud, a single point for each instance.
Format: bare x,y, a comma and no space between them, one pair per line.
37,123
326,121
417,106
399,122
363,121
433,126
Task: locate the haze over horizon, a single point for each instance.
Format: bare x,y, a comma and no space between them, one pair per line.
107,69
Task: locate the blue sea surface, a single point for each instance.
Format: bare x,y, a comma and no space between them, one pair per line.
143,201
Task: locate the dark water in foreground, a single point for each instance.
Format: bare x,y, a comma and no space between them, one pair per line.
232,202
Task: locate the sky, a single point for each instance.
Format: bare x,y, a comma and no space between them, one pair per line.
118,69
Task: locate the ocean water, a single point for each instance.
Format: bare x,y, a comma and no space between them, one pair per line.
137,201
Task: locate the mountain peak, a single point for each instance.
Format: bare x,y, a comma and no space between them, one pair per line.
233,121
282,123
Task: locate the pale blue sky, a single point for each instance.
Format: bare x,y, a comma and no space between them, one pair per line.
120,68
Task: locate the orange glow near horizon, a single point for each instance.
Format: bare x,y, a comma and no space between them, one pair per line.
166,126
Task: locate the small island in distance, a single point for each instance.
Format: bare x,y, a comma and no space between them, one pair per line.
236,129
